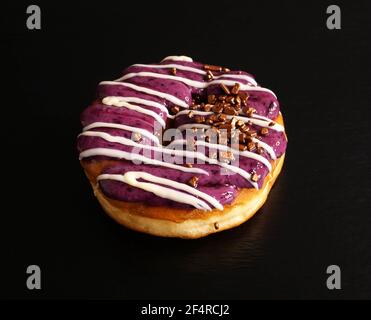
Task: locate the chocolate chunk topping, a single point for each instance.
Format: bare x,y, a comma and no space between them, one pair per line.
174,110
243,96
199,119
193,182
230,99
222,117
254,177
207,107
241,138
218,108
211,99
238,100
212,68
249,111
264,131
230,110
239,123
251,146
236,88
209,75
251,133
244,128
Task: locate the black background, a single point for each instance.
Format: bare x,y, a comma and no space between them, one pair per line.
318,213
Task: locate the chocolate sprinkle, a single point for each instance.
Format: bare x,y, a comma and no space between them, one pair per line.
209,75
251,146
207,107
174,110
218,108
264,131
254,177
236,88
211,99
193,182
212,68
199,119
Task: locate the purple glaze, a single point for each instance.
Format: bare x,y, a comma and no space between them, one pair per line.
224,193
217,184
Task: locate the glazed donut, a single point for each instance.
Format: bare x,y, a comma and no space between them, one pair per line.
180,148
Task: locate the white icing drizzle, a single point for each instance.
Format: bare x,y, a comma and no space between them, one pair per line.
146,102
266,147
113,153
183,153
156,93
143,132
178,58
249,79
118,102
132,177
193,83
257,120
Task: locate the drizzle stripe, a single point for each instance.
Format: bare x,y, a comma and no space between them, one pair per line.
143,132
163,192
117,102
193,83
113,153
146,102
152,92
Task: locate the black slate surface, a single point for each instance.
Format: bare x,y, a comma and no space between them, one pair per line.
318,214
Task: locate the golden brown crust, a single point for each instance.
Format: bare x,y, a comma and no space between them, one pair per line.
183,223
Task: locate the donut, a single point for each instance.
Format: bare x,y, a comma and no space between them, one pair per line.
180,148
